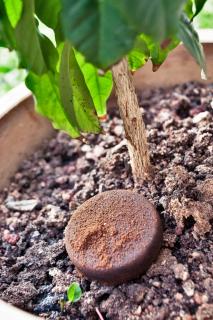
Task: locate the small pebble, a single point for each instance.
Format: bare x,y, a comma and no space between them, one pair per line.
200,116
98,151
62,180
205,312
189,288
178,296
118,130
10,238
23,205
138,311
181,272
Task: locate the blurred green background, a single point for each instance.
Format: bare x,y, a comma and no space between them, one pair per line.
205,18
10,76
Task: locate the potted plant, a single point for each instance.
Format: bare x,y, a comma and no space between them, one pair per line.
61,79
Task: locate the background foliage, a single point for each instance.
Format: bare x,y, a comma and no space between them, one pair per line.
69,46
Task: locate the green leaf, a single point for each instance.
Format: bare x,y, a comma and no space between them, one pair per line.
98,30
7,38
65,88
139,55
75,95
156,18
159,52
74,292
14,10
190,39
48,11
48,103
59,36
198,7
26,33
5,69
83,103
99,85
104,31
49,52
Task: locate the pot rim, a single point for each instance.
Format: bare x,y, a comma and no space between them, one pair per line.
9,312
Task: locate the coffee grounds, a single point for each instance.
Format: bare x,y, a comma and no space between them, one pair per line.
111,230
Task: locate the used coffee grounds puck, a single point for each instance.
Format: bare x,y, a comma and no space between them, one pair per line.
114,236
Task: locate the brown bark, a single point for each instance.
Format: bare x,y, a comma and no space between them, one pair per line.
133,122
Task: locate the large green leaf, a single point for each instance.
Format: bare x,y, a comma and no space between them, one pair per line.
139,55
98,30
76,98
190,39
99,85
156,18
48,11
27,40
14,10
48,103
105,30
42,55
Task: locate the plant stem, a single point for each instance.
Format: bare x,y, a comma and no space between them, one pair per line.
133,122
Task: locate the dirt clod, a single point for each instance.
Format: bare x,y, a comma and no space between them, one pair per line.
202,212
205,312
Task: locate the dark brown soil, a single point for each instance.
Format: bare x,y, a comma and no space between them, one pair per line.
34,268
114,236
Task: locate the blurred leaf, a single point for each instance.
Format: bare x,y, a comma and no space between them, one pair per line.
104,31
198,7
188,8
26,33
74,292
48,11
7,38
49,52
5,69
139,55
98,30
156,18
59,36
190,39
14,10
76,98
99,85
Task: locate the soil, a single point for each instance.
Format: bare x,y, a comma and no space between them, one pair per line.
35,270
114,236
